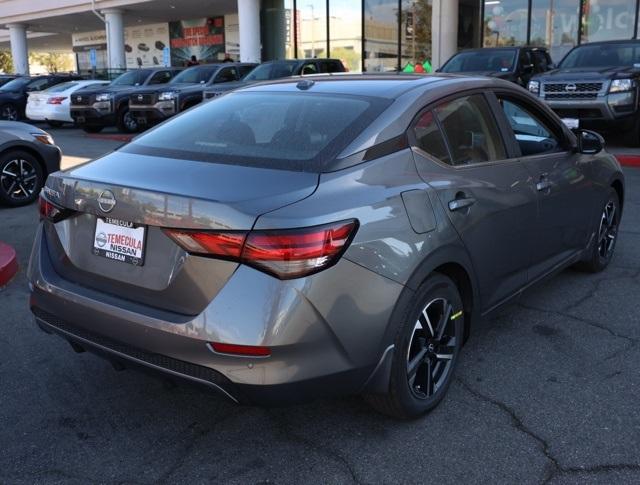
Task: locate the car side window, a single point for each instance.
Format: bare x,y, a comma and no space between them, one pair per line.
160,77
309,68
429,138
244,70
540,61
533,136
470,130
225,75
38,84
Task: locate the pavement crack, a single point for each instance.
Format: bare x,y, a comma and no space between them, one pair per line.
518,424
327,451
556,469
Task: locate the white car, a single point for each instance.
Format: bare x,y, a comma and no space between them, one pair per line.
52,105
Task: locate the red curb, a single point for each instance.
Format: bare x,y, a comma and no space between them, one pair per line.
629,160
110,137
8,263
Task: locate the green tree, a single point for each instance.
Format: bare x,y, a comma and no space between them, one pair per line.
6,62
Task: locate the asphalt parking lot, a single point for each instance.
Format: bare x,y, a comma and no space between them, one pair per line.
547,391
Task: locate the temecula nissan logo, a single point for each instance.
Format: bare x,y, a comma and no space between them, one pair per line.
107,201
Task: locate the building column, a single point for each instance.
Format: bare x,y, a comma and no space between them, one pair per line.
19,50
115,38
249,26
444,31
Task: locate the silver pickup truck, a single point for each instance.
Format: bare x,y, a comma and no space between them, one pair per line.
596,86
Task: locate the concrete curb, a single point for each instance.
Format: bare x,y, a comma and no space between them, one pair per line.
8,263
629,160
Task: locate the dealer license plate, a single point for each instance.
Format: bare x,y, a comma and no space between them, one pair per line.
119,240
571,123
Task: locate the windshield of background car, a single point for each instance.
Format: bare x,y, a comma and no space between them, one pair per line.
496,60
194,75
15,84
58,88
274,70
130,78
602,55
291,131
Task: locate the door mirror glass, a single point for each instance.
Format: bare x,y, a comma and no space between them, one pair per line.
589,142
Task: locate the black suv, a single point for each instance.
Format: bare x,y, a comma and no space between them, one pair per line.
14,94
268,71
515,64
151,106
94,108
596,86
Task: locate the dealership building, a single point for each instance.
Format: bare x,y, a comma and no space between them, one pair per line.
368,35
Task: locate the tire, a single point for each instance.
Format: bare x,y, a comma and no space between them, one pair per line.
412,394
23,187
10,112
92,128
55,123
602,249
125,121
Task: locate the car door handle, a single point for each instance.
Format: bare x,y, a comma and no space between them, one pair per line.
462,203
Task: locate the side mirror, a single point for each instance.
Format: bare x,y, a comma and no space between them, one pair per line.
589,142
528,68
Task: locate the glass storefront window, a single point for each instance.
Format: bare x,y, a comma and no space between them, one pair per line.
505,22
607,20
380,35
345,32
554,24
416,32
312,25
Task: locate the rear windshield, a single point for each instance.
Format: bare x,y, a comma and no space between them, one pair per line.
58,88
195,75
603,55
16,83
495,60
292,131
275,70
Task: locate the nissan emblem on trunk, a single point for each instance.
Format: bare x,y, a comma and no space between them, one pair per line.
106,201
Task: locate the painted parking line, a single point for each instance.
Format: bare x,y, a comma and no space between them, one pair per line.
629,160
8,263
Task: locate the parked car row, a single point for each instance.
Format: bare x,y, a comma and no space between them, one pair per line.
596,85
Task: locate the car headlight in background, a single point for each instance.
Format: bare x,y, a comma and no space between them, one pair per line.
621,85
103,97
167,96
43,138
534,87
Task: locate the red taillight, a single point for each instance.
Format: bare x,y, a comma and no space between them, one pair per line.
56,99
51,211
248,350
286,254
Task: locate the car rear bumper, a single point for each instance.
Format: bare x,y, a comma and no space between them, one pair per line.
321,344
49,112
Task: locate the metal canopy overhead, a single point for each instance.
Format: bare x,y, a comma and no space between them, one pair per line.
54,33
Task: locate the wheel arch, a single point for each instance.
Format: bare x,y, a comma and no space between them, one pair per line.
17,146
451,261
618,186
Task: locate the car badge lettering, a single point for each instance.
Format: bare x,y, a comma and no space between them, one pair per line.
106,201
570,87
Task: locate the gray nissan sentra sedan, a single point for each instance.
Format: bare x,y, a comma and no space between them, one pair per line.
323,236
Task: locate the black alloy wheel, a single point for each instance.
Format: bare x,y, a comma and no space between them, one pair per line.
21,178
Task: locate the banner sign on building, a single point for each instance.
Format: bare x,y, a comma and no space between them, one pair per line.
203,38
144,44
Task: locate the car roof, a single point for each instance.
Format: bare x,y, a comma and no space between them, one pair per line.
388,85
612,42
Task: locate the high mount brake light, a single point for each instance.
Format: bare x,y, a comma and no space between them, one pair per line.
285,254
50,211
